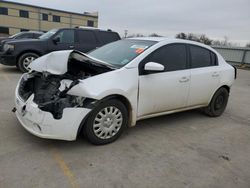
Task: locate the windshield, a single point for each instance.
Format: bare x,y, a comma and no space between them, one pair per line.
121,52
48,34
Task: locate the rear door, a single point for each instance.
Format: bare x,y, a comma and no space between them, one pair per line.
205,75
86,40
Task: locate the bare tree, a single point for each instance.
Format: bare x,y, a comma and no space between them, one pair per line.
181,36
195,37
225,41
204,39
217,43
135,35
192,36
154,35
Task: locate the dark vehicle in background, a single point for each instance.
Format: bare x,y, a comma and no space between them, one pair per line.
21,35
21,53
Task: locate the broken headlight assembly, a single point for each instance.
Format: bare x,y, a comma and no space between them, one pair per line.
56,105
47,93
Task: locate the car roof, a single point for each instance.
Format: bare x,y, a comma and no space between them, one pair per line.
156,39
90,29
171,40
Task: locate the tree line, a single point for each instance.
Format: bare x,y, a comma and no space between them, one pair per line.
194,37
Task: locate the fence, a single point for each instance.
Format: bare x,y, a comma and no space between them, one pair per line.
234,54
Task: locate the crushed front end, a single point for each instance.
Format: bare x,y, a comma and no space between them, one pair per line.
43,105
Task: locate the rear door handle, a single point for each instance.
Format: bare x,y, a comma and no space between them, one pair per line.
215,74
184,79
71,46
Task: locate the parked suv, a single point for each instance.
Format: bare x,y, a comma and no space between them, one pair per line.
22,52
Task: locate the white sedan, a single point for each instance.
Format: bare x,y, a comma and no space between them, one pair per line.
108,89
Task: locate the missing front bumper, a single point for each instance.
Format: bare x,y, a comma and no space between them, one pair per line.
42,124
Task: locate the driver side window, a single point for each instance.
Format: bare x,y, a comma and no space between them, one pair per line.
173,57
66,36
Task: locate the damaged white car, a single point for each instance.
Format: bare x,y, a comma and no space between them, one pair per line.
101,93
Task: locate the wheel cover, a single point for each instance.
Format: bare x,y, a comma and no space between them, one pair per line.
219,102
27,61
107,122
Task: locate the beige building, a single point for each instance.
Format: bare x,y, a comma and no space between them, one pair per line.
16,17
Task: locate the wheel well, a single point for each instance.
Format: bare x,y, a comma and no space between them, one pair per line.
121,98
226,87
27,51
125,101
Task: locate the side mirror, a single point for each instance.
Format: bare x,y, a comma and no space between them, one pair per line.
56,40
152,67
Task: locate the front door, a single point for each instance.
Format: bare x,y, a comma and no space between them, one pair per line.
168,90
63,40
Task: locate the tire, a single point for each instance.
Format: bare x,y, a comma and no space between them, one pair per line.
218,103
24,60
106,122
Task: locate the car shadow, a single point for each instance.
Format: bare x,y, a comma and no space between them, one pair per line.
10,70
142,127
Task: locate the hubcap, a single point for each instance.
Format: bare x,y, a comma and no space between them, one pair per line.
27,61
219,102
107,122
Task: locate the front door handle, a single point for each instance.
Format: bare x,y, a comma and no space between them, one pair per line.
71,47
184,79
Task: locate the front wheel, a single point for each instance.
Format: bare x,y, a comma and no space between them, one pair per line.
106,122
25,60
218,103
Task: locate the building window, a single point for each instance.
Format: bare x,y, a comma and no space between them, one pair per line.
90,23
4,30
45,17
22,30
56,18
24,13
3,11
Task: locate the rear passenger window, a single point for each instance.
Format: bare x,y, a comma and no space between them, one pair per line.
173,57
86,37
201,57
107,37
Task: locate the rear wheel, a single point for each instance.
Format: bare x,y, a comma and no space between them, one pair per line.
25,60
106,122
218,103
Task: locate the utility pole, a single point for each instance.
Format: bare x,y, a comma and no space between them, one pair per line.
125,33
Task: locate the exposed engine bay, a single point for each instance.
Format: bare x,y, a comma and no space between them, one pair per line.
50,91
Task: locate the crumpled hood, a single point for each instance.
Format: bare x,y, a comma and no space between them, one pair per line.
54,62
57,62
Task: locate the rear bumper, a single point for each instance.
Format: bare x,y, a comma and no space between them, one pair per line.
42,124
9,60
